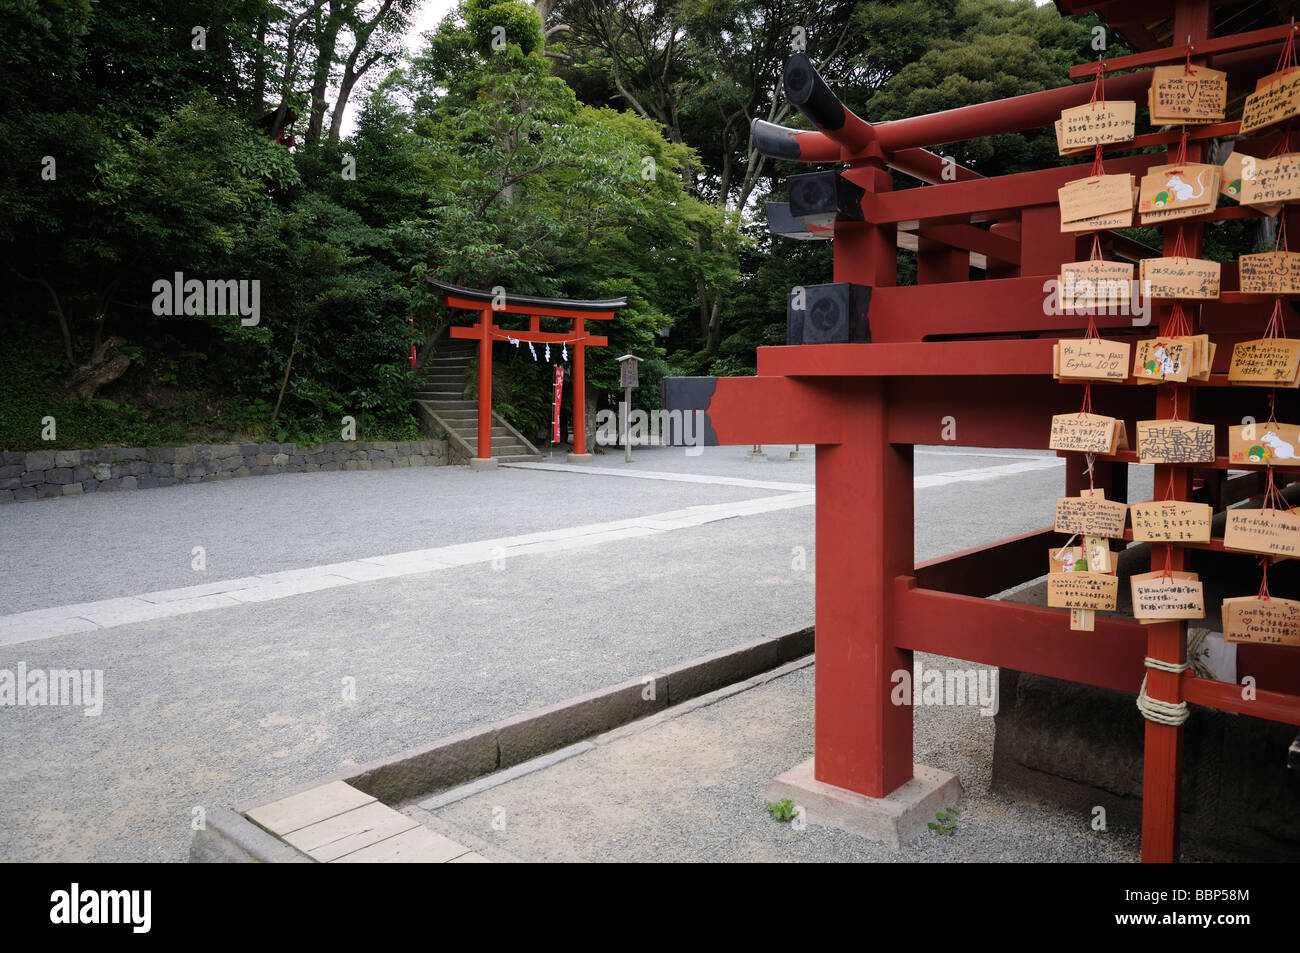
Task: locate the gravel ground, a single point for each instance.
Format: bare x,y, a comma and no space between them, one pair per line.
217,707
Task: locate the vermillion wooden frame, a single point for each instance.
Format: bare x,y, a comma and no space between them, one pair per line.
982,353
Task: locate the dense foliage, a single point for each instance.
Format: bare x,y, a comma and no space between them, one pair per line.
582,148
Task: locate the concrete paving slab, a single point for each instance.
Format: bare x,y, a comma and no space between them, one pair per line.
309,807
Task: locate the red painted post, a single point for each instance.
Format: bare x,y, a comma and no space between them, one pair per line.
485,385
864,541
579,389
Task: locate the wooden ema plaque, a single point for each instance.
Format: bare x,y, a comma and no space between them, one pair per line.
1266,181
1178,277
1164,359
1095,124
1230,182
1276,97
1269,621
1085,433
1264,444
1171,521
1082,590
1182,94
1092,284
1161,596
1270,273
1270,532
1094,359
1265,362
1090,516
1178,191
1094,197
1174,441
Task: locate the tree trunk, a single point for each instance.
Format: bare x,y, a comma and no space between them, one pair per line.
105,366
284,385
326,39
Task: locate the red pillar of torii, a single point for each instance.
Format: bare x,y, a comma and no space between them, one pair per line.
485,331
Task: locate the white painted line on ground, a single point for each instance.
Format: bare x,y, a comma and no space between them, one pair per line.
978,453
979,474
661,475
108,613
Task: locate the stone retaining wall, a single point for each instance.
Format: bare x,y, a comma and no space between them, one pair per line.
40,474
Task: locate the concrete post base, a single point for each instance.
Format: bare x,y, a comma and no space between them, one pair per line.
482,463
893,819
580,457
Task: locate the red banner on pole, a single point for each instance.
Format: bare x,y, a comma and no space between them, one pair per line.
559,390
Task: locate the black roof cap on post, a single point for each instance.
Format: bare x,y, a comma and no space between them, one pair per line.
527,301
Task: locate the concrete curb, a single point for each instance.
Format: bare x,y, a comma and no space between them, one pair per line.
231,838
419,773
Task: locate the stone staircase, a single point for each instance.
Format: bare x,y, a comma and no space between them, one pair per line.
443,406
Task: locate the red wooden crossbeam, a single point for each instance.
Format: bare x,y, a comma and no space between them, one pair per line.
475,331
1178,54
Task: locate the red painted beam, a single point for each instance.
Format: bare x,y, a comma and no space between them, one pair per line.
987,570
454,301
913,358
1225,696
1273,35
1025,638
539,337
749,410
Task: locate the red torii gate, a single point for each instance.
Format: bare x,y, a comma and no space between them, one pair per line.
981,353
486,303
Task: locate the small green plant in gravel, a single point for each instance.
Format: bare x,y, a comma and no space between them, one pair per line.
945,822
782,810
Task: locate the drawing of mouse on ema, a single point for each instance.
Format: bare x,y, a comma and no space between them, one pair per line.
1272,447
1182,192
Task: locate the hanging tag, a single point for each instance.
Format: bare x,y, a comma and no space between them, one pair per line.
533,349
565,355
548,353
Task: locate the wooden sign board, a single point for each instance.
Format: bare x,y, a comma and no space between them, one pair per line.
1269,362
1276,97
1174,441
1094,359
1180,94
1161,596
1178,191
1096,124
1066,559
1179,277
1269,532
1266,621
1163,359
1098,195
1083,433
1090,516
1088,284
1270,273
1230,182
1171,521
1264,444
1274,180
1082,590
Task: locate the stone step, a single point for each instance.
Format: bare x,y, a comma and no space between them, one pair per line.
519,458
